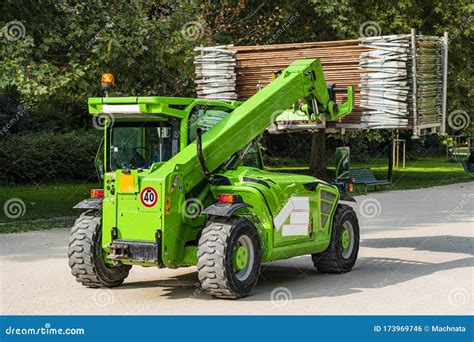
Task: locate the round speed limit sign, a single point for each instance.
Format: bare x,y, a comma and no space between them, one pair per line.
149,197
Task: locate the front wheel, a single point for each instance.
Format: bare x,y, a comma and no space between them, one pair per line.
229,257
86,255
341,254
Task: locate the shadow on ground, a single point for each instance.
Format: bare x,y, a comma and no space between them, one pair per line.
441,243
304,281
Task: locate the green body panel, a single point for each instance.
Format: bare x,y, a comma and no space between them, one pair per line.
292,217
269,199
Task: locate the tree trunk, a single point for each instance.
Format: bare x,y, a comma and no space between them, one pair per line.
317,163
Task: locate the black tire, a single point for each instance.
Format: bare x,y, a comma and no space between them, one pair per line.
335,259
86,254
217,245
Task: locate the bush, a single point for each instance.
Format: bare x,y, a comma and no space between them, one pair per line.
48,156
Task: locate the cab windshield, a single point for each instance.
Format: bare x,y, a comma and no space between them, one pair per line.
139,145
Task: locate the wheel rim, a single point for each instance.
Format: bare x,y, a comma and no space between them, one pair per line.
347,239
243,258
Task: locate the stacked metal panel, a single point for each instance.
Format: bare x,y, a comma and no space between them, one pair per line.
429,81
403,87
385,86
215,73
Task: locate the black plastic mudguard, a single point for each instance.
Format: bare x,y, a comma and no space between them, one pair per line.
224,209
346,197
90,203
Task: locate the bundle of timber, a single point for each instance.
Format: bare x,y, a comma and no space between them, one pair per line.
399,81
340,61
215,73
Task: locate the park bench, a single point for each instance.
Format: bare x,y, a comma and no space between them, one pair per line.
465,165
366,177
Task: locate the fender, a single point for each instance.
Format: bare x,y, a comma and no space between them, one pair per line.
89,203
345,197
224,209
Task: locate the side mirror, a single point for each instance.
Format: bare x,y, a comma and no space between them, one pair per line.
342,162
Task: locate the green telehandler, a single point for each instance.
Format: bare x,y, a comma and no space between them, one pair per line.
184,185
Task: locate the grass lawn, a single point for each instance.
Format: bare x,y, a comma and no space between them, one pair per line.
421,173
51,205
46,206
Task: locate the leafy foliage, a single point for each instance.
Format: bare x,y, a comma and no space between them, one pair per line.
66,45
48,156
69,44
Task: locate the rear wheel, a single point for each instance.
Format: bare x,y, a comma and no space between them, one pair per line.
343,248
86,255
229,258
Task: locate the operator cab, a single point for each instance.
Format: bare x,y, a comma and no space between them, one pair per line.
135,140
138,145
134,145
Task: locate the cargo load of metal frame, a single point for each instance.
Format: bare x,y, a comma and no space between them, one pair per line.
399,81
